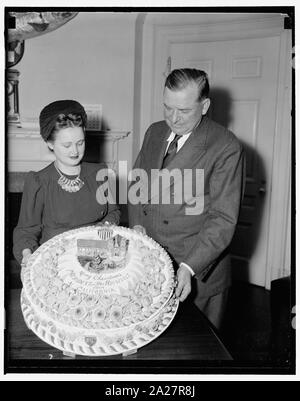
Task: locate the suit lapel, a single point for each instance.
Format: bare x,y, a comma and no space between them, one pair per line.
186,157
158,148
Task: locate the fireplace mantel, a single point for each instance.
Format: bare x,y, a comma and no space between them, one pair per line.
27,151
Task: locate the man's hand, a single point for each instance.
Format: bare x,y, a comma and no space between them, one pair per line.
139,229
184,283
26,253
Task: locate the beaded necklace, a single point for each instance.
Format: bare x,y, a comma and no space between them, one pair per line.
67,184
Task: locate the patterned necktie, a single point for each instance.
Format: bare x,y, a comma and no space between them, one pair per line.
171,152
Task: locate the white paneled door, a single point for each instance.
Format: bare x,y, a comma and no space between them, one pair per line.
244,84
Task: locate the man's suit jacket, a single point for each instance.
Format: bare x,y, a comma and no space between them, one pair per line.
200,240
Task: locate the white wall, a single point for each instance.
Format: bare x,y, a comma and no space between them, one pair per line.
90,59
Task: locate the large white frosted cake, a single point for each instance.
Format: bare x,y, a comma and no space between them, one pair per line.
98,291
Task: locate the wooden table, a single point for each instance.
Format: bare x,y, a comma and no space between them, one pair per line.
189,338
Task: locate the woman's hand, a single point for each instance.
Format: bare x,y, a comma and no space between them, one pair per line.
139,229
26,253
103,223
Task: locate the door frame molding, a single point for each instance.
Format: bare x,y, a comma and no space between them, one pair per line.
156,42
279,244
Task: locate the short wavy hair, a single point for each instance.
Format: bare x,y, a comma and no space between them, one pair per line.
66,121
180,78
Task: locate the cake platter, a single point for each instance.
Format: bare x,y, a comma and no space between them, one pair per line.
99,291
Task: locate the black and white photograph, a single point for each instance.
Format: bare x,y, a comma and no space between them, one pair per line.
149,193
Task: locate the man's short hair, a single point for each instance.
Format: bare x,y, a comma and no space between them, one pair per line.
181,78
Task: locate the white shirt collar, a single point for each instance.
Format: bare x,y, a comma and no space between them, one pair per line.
181,141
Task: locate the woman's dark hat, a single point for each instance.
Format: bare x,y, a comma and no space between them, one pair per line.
50,113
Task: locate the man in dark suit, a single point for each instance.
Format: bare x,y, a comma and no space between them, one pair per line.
196,230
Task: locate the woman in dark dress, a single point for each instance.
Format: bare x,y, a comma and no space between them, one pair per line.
62,196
